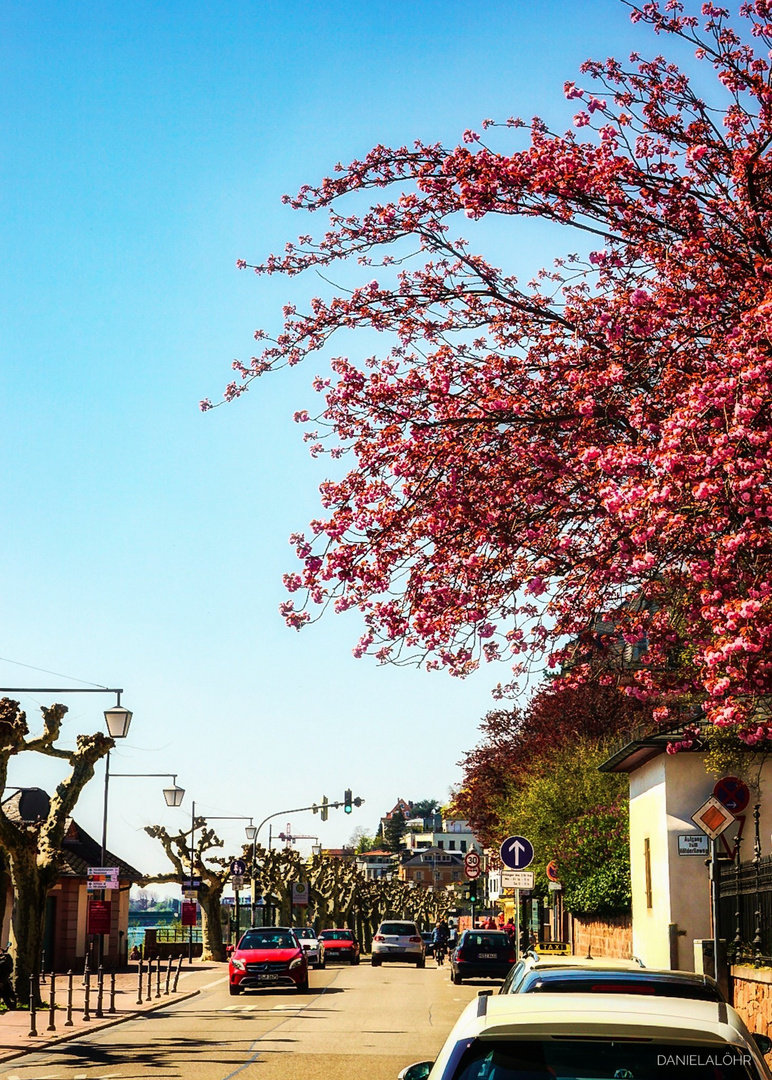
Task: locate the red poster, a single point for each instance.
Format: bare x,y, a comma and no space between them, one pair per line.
99,916
189,913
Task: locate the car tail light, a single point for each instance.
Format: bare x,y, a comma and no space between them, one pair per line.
511,959
460,955
379,937
418,939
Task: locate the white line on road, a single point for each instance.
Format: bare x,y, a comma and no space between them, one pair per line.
216,981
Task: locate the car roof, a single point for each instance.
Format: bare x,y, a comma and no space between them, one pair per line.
621,974
542,961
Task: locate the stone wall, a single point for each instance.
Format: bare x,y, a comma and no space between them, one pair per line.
596,935
751,990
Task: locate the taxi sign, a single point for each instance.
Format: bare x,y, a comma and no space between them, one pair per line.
555,948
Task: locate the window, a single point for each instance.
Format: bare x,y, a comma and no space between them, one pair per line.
456,875
463,845
440,843
451,845
419,875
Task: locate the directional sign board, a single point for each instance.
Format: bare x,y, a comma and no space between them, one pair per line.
238,867
101,877
517,879
713,817
516,852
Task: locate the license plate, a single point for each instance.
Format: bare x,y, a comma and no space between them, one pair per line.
267,978
487,956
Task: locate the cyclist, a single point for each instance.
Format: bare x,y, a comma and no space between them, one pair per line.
440,938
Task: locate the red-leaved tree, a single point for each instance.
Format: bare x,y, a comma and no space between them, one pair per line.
528,457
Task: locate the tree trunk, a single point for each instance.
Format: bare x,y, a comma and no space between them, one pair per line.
29,915
212,945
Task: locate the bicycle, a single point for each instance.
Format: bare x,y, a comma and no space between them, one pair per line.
440,950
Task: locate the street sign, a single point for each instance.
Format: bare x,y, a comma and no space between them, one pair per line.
99,916
472,867
189,914
733,793
517,879
101,877
557,948
552,871
300,892
237,881
713,817
238,867
693,844
190,894
517,852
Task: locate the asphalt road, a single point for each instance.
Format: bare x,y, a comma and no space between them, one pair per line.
359,1023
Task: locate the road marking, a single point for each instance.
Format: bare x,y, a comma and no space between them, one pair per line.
216,981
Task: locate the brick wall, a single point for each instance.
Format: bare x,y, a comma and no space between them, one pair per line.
751,990
610,936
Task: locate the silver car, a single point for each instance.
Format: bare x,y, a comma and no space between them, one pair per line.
397,940
311,945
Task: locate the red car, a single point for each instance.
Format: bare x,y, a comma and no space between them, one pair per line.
268,956
340,945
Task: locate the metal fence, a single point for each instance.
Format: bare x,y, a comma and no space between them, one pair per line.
745,904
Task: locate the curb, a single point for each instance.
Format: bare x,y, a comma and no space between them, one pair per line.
12,1053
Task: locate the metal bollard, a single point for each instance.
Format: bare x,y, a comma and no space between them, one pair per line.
68,1021
32,1029
158,978
100,993
141,970
168,975
85,971
112,992
177,974
149,980
87,997
52,1005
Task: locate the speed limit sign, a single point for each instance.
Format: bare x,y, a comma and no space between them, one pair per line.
472,865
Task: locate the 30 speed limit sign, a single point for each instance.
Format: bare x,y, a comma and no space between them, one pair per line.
472,865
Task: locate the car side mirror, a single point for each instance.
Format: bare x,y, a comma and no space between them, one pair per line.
764,1043
419,1071
230,949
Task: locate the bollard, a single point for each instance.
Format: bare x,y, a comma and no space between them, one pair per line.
68,1021
85,971
100,993
149,980
112,992
32,1029
141,970
177,974
87,997
158,978
168,975
52,1005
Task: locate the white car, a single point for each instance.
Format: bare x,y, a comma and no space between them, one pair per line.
311,945
398,940
603,1036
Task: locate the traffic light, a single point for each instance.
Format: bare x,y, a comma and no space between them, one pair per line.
347,801
325,811
472,892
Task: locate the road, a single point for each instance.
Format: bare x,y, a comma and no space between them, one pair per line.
359,1023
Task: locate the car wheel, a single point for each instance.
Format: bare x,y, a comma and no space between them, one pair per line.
234,989
376,961
420,962
354,959
456,976
303,987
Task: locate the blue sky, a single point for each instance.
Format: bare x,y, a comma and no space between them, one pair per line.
143,149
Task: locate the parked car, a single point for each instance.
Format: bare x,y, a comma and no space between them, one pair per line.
482,954
340,945
268,956
603,1036
533,961
311,945
398,940
682,984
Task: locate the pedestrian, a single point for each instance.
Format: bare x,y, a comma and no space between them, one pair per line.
135,954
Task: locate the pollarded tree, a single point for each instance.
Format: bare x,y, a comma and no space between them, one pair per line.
213,870
33,848
528,456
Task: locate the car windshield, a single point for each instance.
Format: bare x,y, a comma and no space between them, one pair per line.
400,929
260,939
588,983
337,935
306,932
602,1059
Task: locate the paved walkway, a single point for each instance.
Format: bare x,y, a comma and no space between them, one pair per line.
15,1037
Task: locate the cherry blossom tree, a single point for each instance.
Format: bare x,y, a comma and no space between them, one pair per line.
529,457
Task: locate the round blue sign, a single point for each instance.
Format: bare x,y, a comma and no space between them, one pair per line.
238,868
516,852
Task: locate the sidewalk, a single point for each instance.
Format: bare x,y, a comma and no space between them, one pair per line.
15,1038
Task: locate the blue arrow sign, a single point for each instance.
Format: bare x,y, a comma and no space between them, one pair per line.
516,852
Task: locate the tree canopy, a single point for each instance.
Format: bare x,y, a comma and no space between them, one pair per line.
529,456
